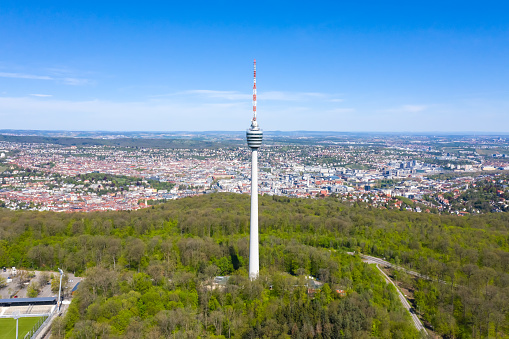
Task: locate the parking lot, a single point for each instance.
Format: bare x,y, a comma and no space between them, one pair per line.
13,289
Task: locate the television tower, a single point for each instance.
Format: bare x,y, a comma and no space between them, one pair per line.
254,137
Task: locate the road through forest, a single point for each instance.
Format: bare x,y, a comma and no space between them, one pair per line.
377,261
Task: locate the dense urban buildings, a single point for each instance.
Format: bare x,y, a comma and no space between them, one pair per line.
422,173
312,248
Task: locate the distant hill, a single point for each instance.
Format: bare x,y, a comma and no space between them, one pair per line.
120,142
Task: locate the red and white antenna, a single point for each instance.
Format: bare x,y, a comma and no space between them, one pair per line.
254,92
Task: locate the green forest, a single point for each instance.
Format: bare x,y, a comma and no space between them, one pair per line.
149,273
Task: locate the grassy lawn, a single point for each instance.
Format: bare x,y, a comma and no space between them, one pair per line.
491,151
8,327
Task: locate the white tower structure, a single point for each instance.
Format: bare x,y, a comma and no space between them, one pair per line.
254,137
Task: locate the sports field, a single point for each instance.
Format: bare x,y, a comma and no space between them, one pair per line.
8,327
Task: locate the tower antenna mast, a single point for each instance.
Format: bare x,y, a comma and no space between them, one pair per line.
254,91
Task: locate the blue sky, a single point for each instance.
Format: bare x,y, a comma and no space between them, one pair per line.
394,66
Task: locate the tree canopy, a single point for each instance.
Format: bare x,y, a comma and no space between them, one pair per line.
148,272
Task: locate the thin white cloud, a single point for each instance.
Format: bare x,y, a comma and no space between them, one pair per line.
336,100
414,108
75,81
25,76
174,114
60,71
66,80
406,109
314,94
291,96
41,95
269,96
341,110
32,113
228,95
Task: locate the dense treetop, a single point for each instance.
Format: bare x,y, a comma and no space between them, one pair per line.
148,271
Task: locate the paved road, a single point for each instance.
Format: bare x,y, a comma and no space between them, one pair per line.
373,260
46,332
406,304
377,261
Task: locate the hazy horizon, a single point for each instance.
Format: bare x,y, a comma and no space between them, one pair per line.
423,133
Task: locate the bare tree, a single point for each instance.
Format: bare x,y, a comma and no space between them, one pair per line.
22,277
114,249
43,278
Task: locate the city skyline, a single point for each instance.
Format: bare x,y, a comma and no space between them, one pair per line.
334,67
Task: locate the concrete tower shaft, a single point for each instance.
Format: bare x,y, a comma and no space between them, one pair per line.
254,136
254,253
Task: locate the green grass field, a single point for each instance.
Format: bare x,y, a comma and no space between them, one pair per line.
8,327
491,151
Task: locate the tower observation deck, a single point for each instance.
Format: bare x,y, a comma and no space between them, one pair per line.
254,136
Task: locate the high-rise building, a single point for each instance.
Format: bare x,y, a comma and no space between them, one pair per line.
254,137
